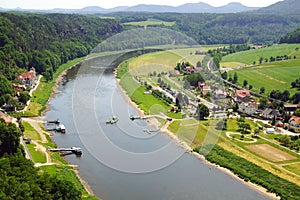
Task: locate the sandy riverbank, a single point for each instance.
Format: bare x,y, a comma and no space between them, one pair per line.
153,122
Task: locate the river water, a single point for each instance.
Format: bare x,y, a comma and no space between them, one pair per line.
123,162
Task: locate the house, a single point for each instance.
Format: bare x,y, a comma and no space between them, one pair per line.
6,118
248,108
291,107
294,124
19,87
270,131
190,69
269,113
243,95
200,52
219,94
201,85
206,89
28,78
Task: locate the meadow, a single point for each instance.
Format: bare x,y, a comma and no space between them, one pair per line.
272,76
248,57
150,22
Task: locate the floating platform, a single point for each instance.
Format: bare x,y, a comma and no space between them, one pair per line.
75,150
53,122
114,120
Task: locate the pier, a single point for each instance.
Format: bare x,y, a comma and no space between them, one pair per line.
76,150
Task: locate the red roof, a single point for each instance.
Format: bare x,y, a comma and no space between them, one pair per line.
242,93
201,84
296,119
27,76
7,119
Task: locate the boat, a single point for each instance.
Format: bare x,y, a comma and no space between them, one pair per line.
113,120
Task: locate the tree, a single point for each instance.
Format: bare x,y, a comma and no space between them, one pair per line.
202,111
235,78
297,112
9,138
245,83
245,128
186,100
260,60
224,75
285,140
186,84
250,87
199,64
24,97
296,98
262,90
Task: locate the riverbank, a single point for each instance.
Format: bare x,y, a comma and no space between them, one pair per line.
186,147
52,92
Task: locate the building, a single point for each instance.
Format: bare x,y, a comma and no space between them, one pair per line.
294,124
6,118
269,113
206,89
291,107
19,87
28,78
270,131
248,108
219,94
243,95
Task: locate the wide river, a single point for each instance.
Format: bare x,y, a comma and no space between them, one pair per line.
122,161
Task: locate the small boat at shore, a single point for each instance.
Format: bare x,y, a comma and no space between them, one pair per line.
114,120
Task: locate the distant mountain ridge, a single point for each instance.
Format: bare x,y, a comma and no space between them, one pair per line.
185,8
290,7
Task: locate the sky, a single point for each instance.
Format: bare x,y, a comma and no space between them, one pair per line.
77,4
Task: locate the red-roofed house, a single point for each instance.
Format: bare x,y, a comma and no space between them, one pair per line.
206,89
294,123
243,95
18,87
28,78
6,118
201,84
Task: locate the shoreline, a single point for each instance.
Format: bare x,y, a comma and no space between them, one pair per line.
56,91
188,149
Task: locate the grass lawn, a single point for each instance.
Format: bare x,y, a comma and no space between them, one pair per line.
247,57
193,132
272,76
295,168
150,22
231,64
30,132
37,156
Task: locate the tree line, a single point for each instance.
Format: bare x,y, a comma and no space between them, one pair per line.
20,179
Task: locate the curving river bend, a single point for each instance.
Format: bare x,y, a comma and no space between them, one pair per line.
91,97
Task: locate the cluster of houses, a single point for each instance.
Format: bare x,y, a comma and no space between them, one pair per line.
248,106
27,80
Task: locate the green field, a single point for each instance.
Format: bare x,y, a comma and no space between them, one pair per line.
150,22
248,57
272,76
37,155
30,132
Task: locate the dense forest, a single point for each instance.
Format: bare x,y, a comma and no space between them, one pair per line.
223,28
293,37
45,42
20,179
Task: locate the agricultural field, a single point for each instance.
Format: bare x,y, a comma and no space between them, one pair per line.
150,22
248,57
277,75
271,153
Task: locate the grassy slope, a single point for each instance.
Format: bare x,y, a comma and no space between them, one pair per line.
247,57
277,75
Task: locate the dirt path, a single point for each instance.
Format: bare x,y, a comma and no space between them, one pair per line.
35,123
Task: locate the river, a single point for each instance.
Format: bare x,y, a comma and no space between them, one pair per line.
123,162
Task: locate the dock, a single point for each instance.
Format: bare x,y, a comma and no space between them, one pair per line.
60,128
53,122
76,150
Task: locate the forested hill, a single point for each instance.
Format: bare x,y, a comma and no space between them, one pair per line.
293,37
47,41
224,28
286,7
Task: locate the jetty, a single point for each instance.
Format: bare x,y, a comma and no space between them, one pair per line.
60,128
76,150
137,117
53,121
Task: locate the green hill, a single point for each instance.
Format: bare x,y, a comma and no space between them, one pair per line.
286,7
293,37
